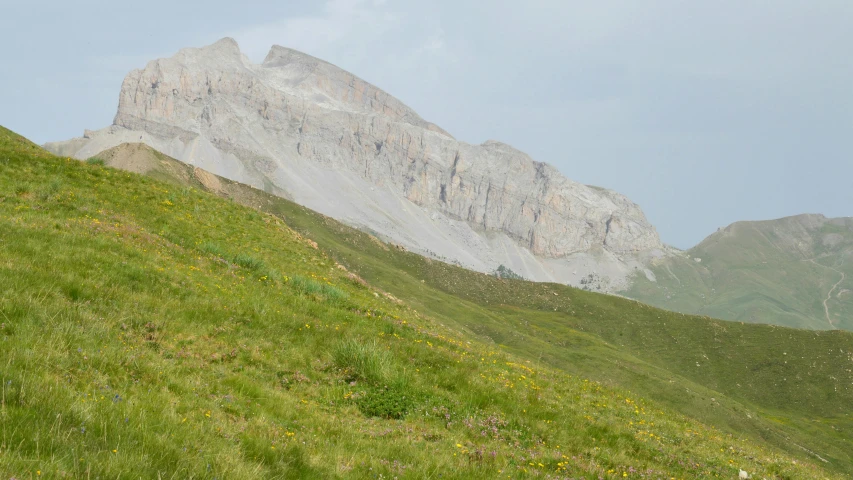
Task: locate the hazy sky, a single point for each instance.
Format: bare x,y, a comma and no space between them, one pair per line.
703,112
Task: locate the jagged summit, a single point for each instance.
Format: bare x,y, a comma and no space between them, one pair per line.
303,128
324,83
226,44
225,50
279,55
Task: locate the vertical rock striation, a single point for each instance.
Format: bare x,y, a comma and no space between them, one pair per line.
303,128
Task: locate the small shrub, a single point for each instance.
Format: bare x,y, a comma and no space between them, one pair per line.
388,401
95,161
506,272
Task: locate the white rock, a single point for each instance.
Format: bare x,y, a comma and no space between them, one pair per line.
304,129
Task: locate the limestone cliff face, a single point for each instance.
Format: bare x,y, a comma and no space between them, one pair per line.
295,120
294,105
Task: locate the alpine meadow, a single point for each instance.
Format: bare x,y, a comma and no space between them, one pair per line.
180,325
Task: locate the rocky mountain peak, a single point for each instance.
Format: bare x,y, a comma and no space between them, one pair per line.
222,52
224,45
326,84
306,129
279,56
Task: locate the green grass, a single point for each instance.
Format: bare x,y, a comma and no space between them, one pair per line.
789,388
133,343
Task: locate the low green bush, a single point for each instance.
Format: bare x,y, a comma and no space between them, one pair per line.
392,401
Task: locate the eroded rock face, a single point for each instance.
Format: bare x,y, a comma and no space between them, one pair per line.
306,129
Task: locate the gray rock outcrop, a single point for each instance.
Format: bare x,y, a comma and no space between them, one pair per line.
304,129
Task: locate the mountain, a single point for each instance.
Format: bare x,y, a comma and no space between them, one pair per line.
795,271
782,388
303,129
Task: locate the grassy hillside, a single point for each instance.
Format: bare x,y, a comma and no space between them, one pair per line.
795,271
776,386
156,331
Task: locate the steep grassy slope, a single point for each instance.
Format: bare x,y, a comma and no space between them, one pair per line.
785,387
789,387
151,330
795,271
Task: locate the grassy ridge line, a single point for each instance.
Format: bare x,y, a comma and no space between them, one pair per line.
659,354
150,330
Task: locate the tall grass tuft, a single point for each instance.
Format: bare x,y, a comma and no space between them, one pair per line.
363,361
248,262
309,286
212,248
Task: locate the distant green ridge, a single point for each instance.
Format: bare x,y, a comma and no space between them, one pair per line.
794,271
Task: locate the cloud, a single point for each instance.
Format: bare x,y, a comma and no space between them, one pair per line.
434,43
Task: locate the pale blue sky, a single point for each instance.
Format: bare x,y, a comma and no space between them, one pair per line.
703,112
